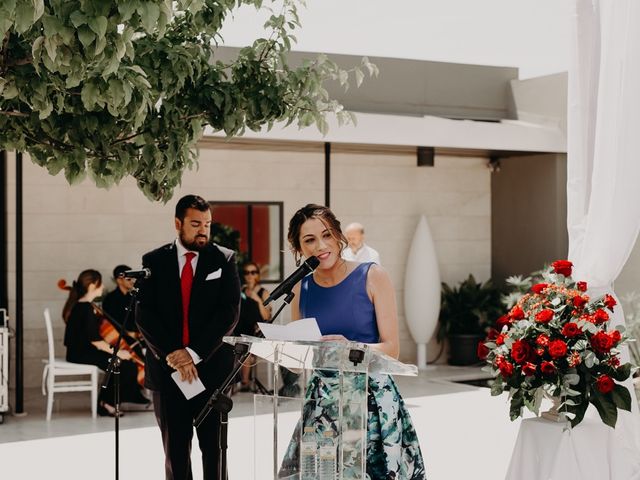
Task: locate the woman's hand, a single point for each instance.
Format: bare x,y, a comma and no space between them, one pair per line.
334,338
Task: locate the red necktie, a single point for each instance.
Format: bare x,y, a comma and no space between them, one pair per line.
186,279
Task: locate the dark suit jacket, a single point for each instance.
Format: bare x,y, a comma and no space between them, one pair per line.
213,313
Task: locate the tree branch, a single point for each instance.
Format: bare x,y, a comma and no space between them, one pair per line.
13,113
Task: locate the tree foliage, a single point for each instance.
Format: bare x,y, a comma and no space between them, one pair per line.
113,88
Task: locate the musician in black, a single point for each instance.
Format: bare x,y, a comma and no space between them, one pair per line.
116,303
85,345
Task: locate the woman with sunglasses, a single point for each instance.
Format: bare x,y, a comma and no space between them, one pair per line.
252,311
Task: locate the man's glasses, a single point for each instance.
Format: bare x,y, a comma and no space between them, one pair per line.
251,272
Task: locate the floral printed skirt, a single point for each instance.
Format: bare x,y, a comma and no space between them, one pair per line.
392,449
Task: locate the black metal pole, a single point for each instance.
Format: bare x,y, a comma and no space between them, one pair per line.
4,236
19,408
327,174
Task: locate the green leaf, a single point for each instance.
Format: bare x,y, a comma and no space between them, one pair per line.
515,409
51,46
89,94
579,412
46,109
78,18
127,9
36,48
622,372
359,77
86,36
25,15
99,26
621,397
149,13
51,25
38,9
606,408
101,43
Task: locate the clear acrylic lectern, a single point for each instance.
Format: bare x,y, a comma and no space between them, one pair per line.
320,391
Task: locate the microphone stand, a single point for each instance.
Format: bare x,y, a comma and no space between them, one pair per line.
223,404
114,369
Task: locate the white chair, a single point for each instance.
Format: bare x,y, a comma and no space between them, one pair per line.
57,367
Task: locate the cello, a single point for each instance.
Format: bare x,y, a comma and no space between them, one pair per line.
109,330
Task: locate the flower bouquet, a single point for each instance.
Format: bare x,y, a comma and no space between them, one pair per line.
556,341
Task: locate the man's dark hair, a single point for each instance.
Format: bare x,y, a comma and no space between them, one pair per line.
190,201
120,269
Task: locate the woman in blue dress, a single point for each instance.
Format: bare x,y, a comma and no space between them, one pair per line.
354,301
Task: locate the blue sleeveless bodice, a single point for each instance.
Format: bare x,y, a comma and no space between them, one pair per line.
344,309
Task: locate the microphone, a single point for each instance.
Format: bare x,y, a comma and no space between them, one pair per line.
308,266
143,274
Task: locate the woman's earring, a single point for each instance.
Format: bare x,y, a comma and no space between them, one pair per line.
297,258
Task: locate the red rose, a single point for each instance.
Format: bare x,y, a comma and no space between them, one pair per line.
600,316
557,349
539,287
544,316
582,286
529,369
493,334
482,351
503,321
547,368
516,313
563,267
542,340
540,351
601,342
615,336
520,351
506,369
500,339
609,301
571,330
604,383
579,301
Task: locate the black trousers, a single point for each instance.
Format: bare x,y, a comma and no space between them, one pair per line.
175,415
130,391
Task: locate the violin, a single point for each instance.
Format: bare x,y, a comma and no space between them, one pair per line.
109,330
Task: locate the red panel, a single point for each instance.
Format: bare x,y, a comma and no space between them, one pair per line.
261,234
236,217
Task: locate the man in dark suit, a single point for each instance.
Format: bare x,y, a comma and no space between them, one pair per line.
187,305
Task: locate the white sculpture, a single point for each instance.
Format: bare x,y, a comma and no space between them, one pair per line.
422,289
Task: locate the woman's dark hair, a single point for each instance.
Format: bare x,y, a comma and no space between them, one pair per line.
190,201
322,213
79,289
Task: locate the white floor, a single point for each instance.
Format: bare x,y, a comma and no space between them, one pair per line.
463,435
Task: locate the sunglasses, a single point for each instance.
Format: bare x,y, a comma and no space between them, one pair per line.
251,272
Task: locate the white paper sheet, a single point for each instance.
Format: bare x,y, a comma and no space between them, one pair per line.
305,329
189,390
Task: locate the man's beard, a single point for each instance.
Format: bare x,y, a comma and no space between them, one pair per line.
194,245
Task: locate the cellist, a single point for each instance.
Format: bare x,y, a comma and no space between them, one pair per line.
85,345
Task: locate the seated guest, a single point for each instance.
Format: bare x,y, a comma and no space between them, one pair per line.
356,250
252,311
85,345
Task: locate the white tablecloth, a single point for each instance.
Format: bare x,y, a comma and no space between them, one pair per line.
547,450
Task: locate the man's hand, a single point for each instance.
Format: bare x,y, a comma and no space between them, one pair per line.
181,361
188,372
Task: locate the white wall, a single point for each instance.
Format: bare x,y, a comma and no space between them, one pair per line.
68,229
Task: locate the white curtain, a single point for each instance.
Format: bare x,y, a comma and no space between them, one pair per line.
603,177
